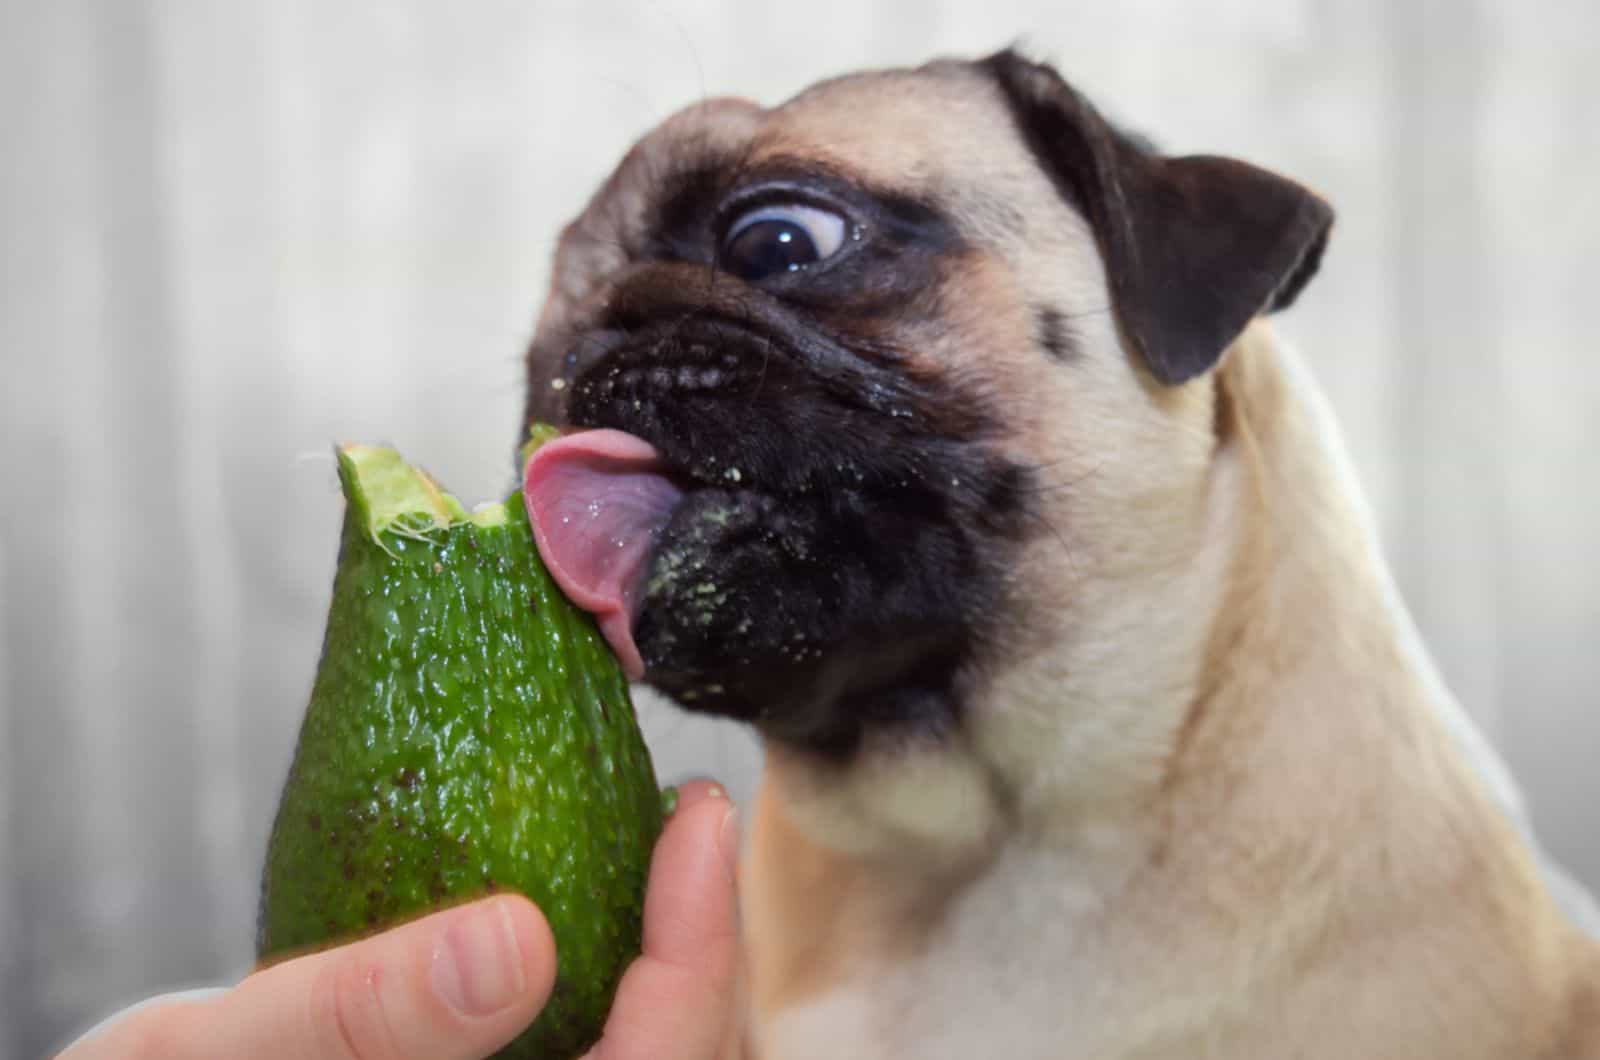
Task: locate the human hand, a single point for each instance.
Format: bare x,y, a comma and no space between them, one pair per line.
464,982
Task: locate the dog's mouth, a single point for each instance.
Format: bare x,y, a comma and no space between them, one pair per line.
599,501
768,528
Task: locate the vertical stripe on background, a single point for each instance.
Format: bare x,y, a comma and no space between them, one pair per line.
12,971
213,142
56,638
1539,155
1443,319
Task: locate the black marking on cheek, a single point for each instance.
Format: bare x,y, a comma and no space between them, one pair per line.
680,229
1054,336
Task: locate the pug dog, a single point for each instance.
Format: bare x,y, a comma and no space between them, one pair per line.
930,424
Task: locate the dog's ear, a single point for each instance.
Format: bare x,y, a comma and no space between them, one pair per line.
1194,247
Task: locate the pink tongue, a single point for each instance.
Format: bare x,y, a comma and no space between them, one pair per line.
598,501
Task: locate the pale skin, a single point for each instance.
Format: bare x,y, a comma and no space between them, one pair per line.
460,984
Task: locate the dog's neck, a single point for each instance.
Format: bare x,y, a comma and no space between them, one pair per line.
1292,655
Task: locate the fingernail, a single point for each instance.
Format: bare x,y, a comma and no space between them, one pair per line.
728,841
478,969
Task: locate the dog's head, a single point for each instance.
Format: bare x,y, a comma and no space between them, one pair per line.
911,375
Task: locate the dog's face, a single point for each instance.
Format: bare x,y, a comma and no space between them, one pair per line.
922,358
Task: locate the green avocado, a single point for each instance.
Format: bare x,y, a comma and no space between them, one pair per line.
469,731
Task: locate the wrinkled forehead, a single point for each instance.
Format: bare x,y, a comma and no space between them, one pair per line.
919,131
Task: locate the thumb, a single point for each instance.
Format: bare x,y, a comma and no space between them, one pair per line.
677,999
457,984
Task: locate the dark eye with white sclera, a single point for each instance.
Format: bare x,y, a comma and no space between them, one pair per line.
778,239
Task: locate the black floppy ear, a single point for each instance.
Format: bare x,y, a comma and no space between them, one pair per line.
1194,247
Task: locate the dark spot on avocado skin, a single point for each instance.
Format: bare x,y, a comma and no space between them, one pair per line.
314,820
407,778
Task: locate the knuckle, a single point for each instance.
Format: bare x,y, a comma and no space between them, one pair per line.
348,1014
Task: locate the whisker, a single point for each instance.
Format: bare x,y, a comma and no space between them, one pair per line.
761,380
1066,549
1085,313
1054,487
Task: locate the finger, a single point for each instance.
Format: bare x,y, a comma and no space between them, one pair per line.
676,1000
457,984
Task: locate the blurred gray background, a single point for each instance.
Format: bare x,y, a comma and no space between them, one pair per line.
233,232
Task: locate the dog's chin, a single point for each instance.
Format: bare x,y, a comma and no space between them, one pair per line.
769,610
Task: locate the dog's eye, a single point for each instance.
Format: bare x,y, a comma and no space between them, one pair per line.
772,240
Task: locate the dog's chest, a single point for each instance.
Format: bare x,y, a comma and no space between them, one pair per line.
941,1005
1019,966
1035,963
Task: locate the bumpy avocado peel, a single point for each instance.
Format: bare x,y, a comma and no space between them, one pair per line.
468,731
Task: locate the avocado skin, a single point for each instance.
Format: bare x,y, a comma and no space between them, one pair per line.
468,731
